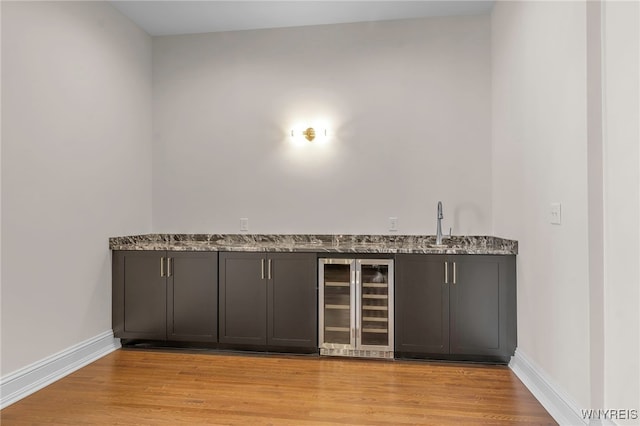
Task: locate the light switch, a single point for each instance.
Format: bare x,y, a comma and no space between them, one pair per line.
555,214
393,224
244,224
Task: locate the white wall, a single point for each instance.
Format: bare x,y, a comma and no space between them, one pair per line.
621,83
540,157
408,108
76,168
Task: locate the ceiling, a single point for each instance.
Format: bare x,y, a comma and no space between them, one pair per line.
190,17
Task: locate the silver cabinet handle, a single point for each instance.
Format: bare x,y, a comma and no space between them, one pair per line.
262,268
454,272
169,262
269,269
446,272
162,266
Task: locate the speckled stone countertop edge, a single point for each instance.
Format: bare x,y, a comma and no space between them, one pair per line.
324,243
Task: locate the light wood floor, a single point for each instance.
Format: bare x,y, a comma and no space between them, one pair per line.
135,387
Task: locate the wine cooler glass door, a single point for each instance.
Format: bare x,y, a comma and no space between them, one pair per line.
374,280
337,302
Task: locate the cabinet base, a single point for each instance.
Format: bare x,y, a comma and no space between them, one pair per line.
359,353
481,359
354,353
215,347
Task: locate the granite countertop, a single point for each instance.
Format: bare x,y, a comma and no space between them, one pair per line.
424,244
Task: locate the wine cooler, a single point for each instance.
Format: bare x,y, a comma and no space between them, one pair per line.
356,307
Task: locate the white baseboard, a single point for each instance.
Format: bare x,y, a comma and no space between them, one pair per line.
36,376
562,408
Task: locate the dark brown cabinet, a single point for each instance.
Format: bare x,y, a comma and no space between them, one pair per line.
165,295
463,306
457,307
268,299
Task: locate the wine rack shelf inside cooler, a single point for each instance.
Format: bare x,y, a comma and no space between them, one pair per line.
345,329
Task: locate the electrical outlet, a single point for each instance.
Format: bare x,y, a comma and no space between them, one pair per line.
555,214
393,224
244,224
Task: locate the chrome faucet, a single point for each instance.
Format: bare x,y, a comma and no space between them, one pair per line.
439,235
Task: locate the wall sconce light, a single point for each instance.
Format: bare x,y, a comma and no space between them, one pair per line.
310,133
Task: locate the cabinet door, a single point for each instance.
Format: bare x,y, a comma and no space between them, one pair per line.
292,300
422,304
192,300
139,295
483,305
243,298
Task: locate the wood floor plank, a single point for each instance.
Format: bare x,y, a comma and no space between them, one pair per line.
136,387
